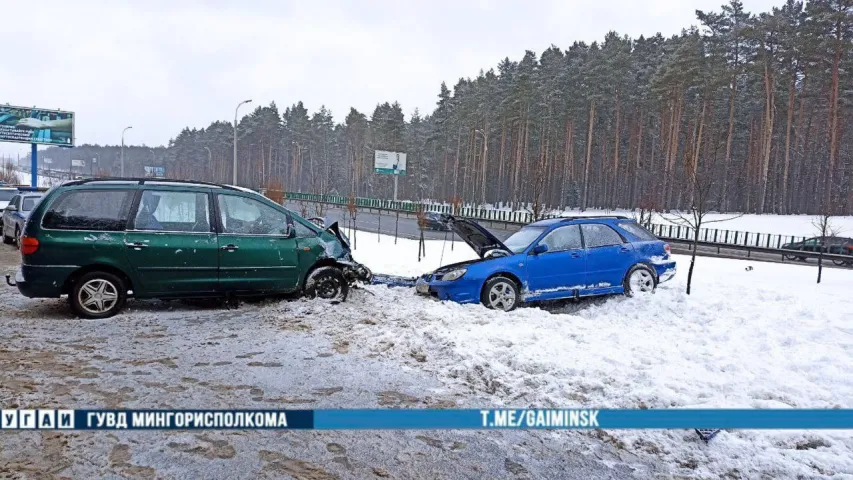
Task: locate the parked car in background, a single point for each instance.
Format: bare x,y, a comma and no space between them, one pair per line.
6,196
842,246
97,240
552,259
15,215
433,221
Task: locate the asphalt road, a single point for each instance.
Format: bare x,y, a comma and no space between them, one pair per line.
407,227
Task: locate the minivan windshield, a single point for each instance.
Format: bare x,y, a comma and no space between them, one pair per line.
522,239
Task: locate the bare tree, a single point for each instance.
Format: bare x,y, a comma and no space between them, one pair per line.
352,209
825,228
646,211
694,219
537,206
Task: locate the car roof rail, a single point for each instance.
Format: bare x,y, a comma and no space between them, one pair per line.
593,217
142,181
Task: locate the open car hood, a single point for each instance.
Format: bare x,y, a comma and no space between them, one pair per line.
472,233
336,231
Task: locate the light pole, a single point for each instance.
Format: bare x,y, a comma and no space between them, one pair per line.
485,157
209,161
122,149
235,138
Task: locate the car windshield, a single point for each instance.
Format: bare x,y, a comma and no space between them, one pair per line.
522,239
29,203
6,195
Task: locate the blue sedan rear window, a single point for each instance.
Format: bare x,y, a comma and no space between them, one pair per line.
637,230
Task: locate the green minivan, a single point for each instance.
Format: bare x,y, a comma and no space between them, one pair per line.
100,240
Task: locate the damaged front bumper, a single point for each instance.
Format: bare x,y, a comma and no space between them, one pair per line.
459,291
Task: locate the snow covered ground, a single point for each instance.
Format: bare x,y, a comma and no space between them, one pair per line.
769,337
43,180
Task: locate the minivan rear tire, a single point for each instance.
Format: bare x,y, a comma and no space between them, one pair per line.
106,291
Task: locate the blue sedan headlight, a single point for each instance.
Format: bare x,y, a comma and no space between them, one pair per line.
454,275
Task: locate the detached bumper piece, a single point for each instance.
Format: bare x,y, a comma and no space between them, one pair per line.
393,280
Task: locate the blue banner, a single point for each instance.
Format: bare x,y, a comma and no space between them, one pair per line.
418,419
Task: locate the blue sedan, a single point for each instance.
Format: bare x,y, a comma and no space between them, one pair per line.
552,259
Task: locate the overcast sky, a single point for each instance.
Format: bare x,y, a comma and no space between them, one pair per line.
160,65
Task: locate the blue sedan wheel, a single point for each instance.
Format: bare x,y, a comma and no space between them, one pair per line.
639,280
500,293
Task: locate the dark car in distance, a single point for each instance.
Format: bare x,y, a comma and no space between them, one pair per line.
433,221
98,240
828,244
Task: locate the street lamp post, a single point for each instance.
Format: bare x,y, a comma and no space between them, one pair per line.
122,149
485,158
235,139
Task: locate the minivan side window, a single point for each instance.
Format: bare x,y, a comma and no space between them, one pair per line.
100,210
599,235
172,211
247,216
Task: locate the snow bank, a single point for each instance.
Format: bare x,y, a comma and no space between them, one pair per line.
764,338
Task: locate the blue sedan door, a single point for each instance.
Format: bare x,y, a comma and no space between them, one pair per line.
609,256
559,271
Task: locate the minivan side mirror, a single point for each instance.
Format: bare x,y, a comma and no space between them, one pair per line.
11,208
541,248
288,231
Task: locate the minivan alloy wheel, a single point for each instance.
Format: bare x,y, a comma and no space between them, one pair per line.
97,296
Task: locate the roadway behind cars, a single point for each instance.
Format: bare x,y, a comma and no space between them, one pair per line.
370,221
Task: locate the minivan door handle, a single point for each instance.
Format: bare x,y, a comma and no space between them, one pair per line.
136,245
576,255
229,248
624,249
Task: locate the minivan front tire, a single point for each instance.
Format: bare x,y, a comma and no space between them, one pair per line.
98,295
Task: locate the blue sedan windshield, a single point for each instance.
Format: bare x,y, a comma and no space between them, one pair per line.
522,239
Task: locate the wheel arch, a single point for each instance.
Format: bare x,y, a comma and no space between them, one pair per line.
96,267
503,273
321,262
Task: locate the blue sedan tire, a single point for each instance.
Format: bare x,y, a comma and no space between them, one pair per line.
500,293
639,279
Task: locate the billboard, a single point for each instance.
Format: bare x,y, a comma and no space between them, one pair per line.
155,172
78,163
390,163
36,125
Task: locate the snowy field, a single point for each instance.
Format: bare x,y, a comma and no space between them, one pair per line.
43,181
769,337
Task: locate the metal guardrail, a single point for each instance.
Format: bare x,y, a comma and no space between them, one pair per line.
732,237
708,237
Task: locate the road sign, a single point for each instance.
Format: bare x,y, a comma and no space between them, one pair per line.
155,172
389,163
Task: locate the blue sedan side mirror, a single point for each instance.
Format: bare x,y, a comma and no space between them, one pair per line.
541,248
